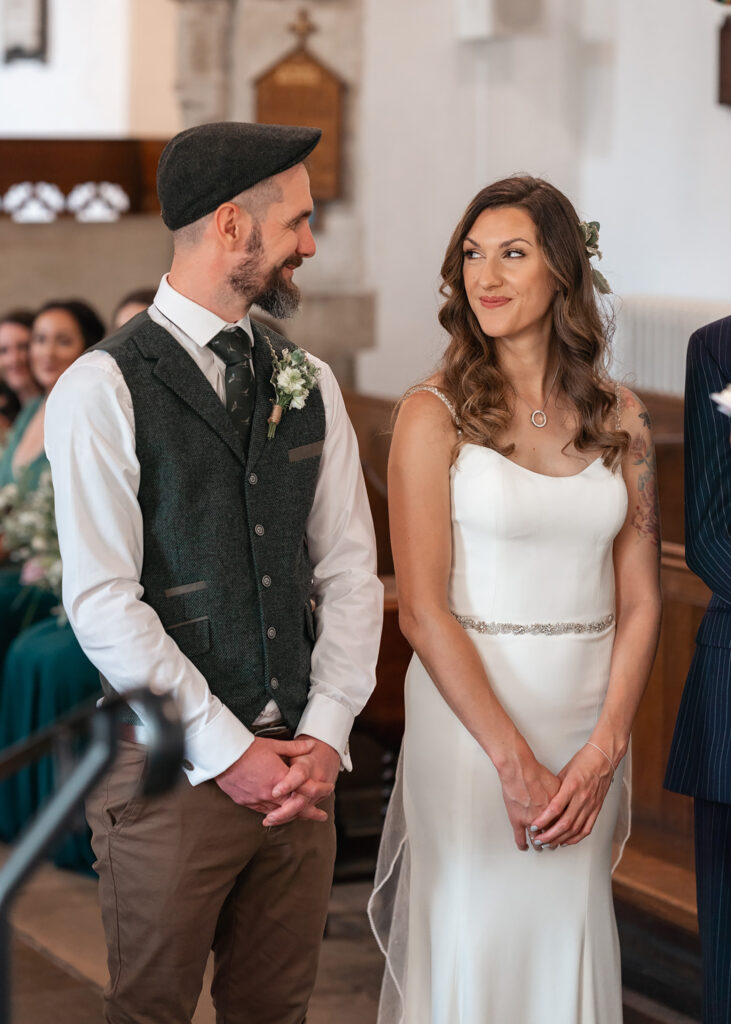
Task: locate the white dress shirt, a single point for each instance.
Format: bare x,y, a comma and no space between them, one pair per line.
90,442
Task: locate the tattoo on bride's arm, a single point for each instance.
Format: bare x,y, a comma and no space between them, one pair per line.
646,516
645,417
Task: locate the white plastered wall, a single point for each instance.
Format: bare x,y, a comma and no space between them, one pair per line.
657,150
110,73
616,103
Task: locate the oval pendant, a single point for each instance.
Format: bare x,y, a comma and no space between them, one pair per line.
538,418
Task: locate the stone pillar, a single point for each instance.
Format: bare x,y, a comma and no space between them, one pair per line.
205,31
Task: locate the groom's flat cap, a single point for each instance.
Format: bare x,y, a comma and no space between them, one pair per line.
205,166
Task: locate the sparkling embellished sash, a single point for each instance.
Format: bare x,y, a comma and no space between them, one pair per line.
534,628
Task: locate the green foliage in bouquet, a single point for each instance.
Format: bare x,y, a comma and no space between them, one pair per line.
28,523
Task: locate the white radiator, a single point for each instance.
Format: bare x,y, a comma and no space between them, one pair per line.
652,337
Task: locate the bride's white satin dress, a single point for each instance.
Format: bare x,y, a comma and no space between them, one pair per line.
480,932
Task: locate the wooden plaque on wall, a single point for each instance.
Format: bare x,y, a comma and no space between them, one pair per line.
300,90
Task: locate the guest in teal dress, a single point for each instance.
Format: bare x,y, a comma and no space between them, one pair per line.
15,328
45,672
61,331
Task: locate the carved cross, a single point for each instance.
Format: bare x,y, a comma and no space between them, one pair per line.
303,27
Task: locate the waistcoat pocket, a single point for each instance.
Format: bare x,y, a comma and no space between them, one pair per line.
192,636
306,451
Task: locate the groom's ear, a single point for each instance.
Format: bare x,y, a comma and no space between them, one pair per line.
232,225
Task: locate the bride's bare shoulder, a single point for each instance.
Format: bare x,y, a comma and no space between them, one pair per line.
427,396
426,414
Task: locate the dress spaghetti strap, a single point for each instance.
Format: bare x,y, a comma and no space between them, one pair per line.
440,394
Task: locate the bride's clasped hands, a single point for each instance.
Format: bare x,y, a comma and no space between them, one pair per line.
528,790
571,813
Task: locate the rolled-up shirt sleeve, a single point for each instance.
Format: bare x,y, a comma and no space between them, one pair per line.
349,595
90,442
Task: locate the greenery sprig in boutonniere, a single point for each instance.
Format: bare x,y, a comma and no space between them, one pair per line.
293,377
590,231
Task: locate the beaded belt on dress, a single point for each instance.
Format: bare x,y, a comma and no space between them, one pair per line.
534,628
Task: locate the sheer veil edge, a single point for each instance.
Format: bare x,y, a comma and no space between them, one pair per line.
388,906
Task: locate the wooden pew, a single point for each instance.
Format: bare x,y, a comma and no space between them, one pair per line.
371,419
666,413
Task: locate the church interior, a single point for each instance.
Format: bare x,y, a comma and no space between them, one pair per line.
626,107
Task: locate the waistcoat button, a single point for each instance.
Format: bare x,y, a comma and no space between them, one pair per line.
259,530
274,682
271,632
253,478
266,581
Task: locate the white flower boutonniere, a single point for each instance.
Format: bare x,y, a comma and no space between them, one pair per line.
293,377
723,399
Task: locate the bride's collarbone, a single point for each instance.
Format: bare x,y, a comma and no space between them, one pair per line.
550,454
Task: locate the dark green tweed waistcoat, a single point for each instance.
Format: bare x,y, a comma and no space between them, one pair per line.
225,554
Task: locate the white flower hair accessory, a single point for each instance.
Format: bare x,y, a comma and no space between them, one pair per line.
590,233
293,377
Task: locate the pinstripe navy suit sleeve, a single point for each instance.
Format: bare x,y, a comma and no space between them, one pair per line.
708,459
700,755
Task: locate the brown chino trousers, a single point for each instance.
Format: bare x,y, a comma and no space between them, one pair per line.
191,871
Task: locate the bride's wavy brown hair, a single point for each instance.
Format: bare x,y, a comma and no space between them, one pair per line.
470,370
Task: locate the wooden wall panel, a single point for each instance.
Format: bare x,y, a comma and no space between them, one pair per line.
685,598
371,419
131,163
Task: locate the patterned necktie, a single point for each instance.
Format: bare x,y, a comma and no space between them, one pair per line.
234,347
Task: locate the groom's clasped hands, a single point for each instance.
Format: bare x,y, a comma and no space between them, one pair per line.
283,779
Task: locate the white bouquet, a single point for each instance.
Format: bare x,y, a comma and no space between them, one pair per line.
30,536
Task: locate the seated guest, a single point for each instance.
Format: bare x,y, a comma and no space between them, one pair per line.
45,672
15,328
61,331
132,304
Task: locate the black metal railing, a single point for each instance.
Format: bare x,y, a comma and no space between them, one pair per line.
99,727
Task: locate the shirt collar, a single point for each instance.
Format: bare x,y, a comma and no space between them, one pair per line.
200,324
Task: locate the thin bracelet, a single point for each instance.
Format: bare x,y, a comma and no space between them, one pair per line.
590,744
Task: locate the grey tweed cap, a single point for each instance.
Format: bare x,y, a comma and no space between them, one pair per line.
205,166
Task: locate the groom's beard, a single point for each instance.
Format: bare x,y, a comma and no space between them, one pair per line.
269,291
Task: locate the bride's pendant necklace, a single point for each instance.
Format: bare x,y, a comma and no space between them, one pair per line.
538,417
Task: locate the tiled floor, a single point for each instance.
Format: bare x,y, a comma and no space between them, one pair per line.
59,959
59,966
